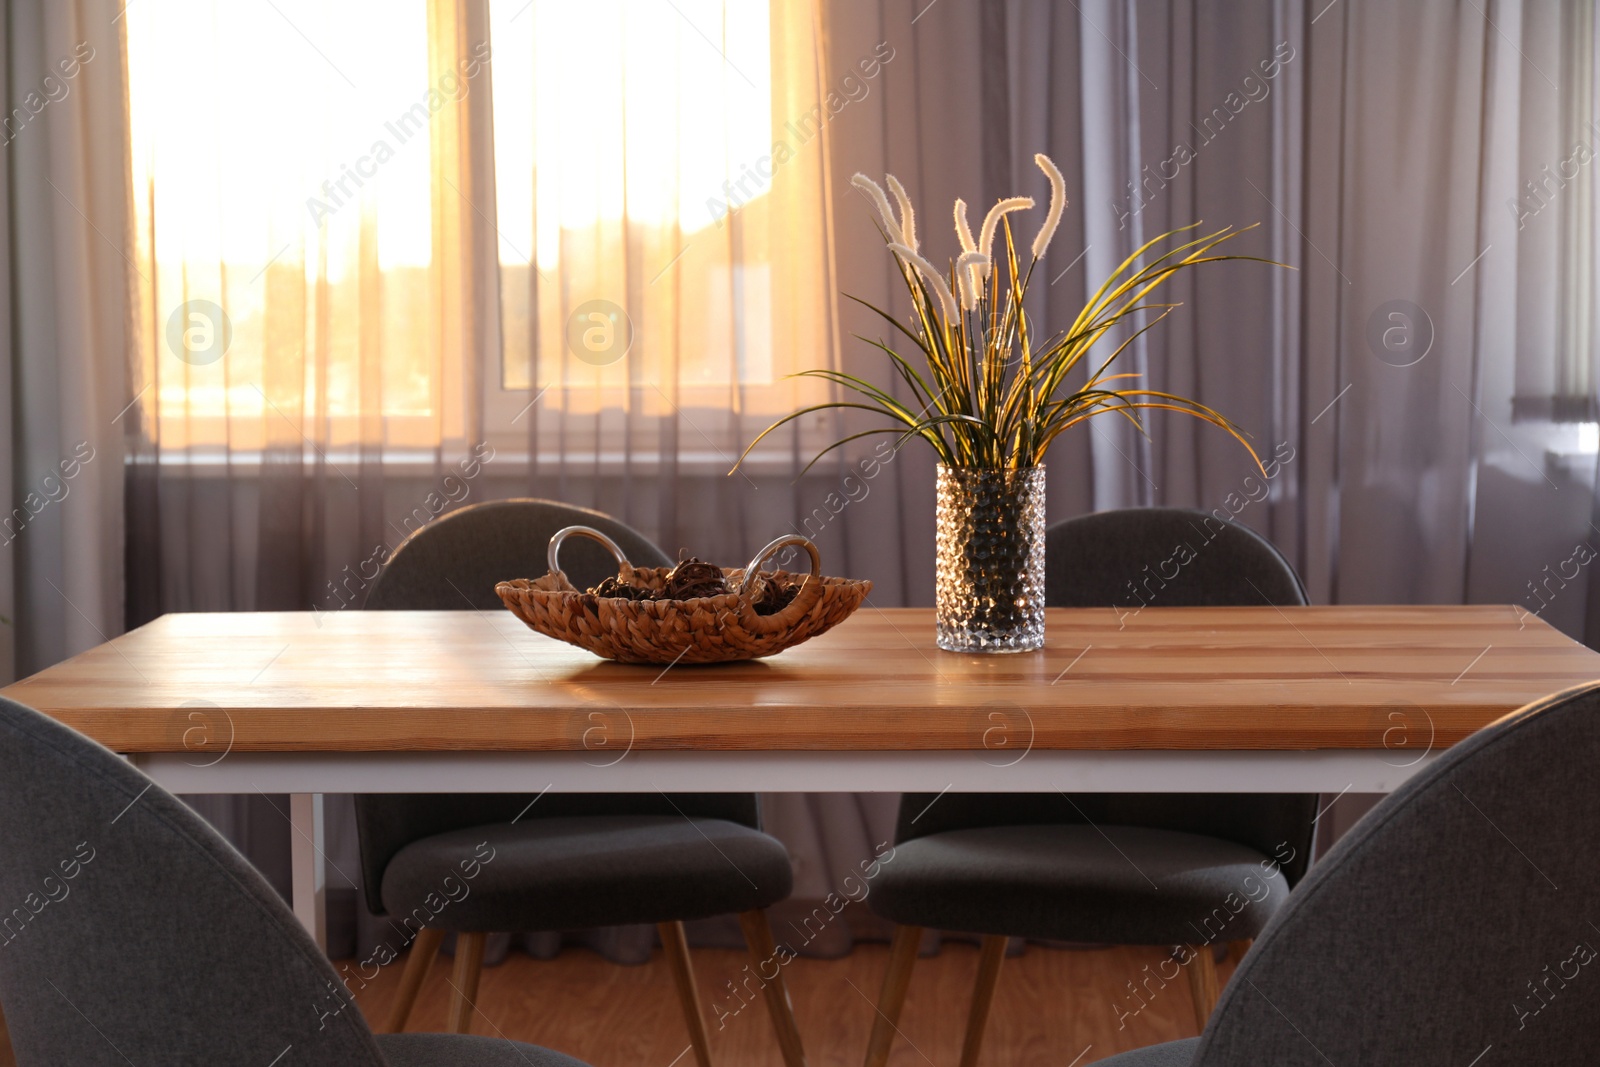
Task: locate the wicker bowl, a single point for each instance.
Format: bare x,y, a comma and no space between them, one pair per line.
712,629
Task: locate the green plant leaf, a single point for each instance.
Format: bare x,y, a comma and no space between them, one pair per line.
991,396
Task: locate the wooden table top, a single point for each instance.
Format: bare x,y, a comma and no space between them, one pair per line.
1171,678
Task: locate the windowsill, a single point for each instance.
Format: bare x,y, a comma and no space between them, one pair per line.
424,462
1574,464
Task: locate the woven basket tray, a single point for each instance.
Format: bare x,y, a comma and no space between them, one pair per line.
703,630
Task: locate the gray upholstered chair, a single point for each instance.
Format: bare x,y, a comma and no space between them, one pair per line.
570,861
134,934
1140,869
455,561
1456,923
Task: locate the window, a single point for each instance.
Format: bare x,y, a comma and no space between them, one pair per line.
429,227
286,255
583,93
647,228
1554,207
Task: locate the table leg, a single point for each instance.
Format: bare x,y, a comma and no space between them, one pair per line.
7,1057
307,850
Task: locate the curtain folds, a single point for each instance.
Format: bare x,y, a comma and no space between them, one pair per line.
63,311
1382,366
664,259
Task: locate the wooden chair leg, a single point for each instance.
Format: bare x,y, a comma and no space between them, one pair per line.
420,958
989,961
896,980
7,1058
1236,951
763,953
1202,968
676,947
469,966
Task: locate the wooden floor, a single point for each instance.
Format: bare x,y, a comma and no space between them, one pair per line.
1059,1006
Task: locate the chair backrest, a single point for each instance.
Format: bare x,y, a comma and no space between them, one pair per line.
1456,923
454,562
132,933
1171,557
1163,557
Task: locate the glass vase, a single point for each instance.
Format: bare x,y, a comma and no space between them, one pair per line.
990,565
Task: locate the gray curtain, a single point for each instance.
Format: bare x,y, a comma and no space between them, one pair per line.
1108,90
1384,364
63,304
1399,156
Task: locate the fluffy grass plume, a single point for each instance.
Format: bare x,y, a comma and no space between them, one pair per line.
984,392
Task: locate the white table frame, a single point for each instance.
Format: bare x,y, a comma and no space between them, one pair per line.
306,776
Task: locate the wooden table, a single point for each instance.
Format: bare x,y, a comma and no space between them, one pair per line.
1168,700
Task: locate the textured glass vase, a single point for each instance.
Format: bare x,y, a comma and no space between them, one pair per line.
990,567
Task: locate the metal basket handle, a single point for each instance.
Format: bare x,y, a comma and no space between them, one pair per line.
754,568
623,566
803,602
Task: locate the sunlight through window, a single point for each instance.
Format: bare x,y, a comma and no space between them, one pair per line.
617,128
281,162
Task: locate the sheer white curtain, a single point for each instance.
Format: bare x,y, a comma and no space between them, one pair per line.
387,326
430,247
663,252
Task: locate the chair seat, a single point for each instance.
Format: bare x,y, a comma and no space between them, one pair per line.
575,872
454,1050
1117,884
1166,1054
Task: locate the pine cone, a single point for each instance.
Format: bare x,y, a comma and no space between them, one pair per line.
776,593
695,578
617,589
